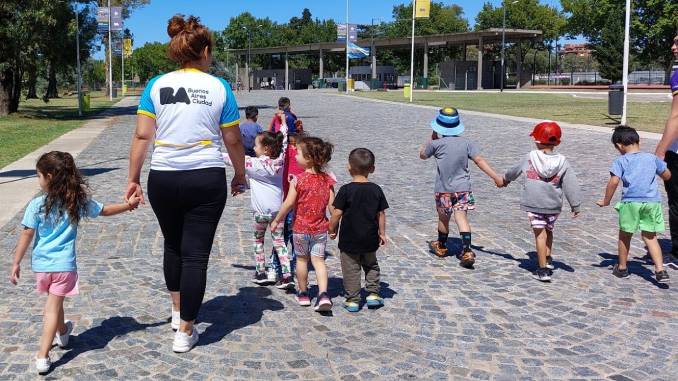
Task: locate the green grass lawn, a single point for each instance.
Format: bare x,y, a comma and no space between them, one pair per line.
37,123
646,116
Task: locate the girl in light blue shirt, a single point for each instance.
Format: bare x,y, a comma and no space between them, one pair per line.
51,221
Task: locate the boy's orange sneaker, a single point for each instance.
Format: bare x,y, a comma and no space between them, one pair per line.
467,259
438,249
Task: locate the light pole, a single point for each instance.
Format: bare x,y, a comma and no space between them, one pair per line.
503,46
249,55
625,76
77,55
348,37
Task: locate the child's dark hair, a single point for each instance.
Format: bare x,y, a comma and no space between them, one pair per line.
284,103
361,161
273,141
318,151
251,112
67,190
625,136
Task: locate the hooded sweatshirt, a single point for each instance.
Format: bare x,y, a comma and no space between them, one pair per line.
548,177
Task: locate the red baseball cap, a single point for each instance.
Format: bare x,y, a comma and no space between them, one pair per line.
547,132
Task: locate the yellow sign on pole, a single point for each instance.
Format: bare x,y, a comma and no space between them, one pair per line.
127,47
423,9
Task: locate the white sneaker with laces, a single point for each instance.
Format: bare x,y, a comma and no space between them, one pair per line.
176,319
43,365
62,340
184,342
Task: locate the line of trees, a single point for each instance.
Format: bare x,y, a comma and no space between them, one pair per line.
38,46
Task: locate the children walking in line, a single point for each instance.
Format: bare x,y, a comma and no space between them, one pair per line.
360,206
265,174
55,216
640,207
310,193
453,193
548,176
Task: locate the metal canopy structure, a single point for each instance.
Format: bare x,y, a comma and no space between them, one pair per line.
477,38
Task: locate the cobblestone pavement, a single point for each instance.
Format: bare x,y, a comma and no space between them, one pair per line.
440,321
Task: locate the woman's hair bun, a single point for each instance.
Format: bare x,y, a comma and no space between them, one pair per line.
176,25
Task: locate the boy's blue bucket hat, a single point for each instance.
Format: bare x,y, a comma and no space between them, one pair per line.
448,122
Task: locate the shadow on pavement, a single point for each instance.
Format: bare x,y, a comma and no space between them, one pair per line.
23,174
529,263
98,337
635,267
227,314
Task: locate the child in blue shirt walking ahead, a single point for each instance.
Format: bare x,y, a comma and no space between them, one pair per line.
640,207
55,216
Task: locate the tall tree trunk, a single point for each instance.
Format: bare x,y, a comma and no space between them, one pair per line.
52,91
6,91
32,83
16,90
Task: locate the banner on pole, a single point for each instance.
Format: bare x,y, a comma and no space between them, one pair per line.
356,52
116,18
352,32
102,15
127,47
117,48
423,9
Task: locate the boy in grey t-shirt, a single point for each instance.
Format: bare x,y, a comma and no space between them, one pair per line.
453,193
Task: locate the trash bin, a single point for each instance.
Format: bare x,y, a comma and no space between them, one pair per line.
85,102
615,100
406,90
351,84
115,92
124,90
341,86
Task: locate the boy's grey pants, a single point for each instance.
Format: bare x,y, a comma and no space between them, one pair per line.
351,266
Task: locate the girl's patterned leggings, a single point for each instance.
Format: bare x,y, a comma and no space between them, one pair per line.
261,223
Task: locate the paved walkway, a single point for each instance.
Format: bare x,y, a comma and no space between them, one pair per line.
440,321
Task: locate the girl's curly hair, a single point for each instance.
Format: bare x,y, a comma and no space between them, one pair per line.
318,151
67,190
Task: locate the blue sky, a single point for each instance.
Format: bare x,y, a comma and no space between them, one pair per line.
149,23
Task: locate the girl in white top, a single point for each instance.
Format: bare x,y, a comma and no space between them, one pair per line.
265,174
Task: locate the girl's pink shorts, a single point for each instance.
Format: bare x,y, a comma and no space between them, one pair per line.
60,284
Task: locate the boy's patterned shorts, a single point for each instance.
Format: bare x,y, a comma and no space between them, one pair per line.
543,221
447,203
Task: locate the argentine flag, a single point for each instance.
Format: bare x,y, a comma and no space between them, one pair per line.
356,52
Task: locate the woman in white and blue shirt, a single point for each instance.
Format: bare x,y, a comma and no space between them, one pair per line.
187,114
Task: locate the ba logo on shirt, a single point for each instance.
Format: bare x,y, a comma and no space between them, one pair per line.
167,96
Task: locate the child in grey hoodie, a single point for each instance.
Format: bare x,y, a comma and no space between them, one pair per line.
548,176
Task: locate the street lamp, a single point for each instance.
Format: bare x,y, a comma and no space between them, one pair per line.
249,55
503,46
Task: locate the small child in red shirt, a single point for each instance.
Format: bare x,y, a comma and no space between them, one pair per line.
311,193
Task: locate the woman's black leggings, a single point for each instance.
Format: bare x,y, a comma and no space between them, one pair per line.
188,205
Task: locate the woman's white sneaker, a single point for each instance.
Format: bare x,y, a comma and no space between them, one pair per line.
184,342
62,340
176,319
43,365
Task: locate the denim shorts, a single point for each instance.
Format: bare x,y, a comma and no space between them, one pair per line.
310,244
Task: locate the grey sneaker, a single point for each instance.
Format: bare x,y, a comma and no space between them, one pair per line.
620,273
662,276
260,278
272,275
62,340
549,263
542,275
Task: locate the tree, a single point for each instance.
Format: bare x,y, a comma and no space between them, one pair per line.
653,26
151,60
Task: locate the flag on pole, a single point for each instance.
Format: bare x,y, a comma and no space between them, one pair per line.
356,52
423,9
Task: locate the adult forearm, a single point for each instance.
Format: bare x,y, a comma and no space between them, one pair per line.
137,156
235,149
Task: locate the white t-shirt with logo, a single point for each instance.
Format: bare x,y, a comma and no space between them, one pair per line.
190,108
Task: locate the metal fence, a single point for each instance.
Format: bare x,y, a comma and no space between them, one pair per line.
638,77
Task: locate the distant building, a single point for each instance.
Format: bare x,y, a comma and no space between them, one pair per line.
581,50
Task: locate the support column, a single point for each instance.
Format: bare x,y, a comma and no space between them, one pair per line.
465,50
287,72
425,59
237,73
374,63
321,73
519,60
246,84
480,64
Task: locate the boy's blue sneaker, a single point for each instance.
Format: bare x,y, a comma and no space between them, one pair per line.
374,301
352,306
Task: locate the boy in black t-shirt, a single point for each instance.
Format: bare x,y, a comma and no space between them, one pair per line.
360,207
